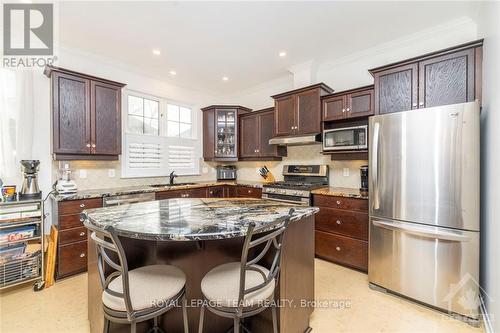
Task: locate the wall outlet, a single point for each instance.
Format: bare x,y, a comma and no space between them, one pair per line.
111,173
83,173
204,169
345,172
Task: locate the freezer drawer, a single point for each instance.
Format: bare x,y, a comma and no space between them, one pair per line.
436,266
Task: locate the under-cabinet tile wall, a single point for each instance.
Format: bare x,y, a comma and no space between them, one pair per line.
96,173
307,155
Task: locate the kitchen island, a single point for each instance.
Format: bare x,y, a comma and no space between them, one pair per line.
198,234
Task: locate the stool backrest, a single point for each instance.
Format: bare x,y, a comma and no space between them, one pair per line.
272,240
111,257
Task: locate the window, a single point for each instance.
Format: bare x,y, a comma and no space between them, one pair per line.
159,137
178,121
143,115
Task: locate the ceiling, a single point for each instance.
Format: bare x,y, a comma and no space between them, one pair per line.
204,41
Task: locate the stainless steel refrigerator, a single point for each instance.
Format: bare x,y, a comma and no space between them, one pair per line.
424,206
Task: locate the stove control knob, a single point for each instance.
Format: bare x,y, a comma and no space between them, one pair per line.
270,190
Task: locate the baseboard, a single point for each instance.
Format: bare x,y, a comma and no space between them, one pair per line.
485,315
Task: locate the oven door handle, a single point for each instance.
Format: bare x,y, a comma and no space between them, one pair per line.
284,200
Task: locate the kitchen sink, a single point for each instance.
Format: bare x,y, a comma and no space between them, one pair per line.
168,185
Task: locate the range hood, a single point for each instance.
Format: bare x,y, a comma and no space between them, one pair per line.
302,140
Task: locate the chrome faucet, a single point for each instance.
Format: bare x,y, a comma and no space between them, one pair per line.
172,177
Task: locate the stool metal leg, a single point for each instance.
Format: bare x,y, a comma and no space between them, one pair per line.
236,325
185,316
275,320
105,328
202,315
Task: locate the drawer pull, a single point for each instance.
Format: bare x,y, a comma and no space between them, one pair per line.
339,202
82,205
82,255
81,219
338,248
338,222
82,233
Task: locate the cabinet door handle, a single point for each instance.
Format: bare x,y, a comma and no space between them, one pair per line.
82,255
338,222
414,105
338,248
93,145
348,109
343,110
421,104
82,205
82,234
88,145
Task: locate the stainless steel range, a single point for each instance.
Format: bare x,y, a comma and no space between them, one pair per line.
299,181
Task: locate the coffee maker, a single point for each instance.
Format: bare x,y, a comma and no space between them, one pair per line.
30,188
364,180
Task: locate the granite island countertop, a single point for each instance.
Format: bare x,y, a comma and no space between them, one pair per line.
192,219
106,192
340,192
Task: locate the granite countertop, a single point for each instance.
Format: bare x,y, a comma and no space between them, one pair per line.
340,192
98,193
192,219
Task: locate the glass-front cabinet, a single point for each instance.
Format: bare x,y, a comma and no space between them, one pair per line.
220,132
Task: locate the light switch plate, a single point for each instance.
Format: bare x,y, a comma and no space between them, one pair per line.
111,173
83,173
345,172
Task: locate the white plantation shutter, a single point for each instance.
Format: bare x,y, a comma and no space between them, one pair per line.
144,155
157,155
181,157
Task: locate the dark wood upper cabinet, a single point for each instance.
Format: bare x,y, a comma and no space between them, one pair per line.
220,132
396,89
86,116
106,112
285,115
71,114
249,128
256,129
298,112
354,103
445,77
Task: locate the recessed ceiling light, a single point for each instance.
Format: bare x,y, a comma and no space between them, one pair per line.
156,52
173,73
282,54
225,78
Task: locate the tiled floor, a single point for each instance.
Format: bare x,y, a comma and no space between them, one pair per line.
63,308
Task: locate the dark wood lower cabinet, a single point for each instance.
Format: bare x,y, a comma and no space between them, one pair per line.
342,230
72,243
343,250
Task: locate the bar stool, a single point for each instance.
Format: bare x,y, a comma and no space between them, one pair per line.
140,294
243,289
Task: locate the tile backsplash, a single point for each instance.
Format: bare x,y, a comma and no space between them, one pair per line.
98,174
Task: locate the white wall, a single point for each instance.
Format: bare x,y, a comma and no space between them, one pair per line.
489,28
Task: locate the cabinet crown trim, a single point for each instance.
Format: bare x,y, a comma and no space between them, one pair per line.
257,112
469,45
49,69
295,91
350,91
211,107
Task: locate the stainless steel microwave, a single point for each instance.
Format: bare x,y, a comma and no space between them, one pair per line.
346,138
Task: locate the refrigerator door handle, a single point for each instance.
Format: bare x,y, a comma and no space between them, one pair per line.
376,197
421,231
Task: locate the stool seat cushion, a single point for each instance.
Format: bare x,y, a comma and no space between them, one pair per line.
221,286
148,284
